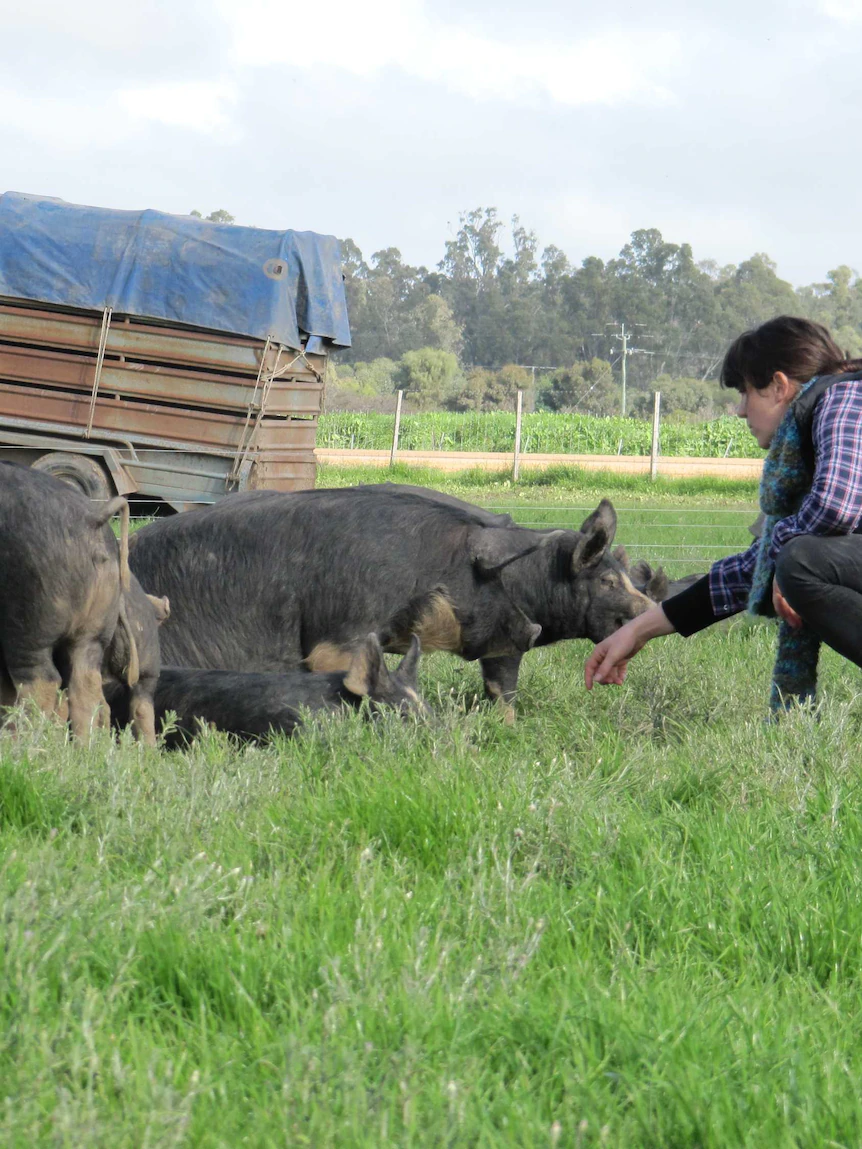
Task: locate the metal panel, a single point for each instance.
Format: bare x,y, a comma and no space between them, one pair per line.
180,476
294,434
135,339
132,419
161,384
285,475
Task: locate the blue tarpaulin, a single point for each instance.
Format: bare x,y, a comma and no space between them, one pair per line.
244,280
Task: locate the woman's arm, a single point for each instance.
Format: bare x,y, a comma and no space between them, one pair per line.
609,661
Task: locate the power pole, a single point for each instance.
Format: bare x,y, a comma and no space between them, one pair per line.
623,337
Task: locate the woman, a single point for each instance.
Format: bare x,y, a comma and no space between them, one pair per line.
815,551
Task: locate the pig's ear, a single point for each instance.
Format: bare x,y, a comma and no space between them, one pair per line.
161,606
492,548
597,534
756,527
658,586
603,518
367,671
641,572
621,555
408,668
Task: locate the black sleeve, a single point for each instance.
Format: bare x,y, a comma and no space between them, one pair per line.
691,609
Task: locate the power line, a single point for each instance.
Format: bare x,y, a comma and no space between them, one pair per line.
623,337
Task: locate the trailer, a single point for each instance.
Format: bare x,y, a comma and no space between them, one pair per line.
163,357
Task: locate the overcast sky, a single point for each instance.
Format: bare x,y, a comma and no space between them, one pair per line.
732,126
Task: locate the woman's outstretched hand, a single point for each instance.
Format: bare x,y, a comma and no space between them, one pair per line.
783,608
608,663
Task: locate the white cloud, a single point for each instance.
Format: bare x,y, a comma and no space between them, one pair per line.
844,11
366,39
90,119
65,123
199,105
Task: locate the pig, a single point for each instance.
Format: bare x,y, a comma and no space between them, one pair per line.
62,573
253,705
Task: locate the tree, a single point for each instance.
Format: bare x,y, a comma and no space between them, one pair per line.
754,294
220,216
435,324
429,375
470,286
680,396
585,387
486,390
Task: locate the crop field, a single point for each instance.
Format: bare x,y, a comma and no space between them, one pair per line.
632,919
543,432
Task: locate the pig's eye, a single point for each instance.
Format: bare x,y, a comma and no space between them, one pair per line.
608,579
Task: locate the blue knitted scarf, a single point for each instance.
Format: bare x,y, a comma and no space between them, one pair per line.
785,482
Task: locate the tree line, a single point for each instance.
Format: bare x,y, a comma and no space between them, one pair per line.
486,322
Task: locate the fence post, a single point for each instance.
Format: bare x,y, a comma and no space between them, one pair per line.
516,468
656,418
396,430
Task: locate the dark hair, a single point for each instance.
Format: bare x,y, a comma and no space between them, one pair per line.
798,347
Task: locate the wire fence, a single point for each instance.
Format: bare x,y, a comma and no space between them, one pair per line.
683,540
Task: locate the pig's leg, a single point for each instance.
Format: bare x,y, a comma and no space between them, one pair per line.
501,682
32,676
87,706
142,713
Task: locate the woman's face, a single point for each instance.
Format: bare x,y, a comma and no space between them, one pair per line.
764,409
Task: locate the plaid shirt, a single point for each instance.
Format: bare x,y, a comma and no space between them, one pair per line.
833,506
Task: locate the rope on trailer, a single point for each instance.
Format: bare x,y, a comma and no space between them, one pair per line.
258,409
242,448
100,359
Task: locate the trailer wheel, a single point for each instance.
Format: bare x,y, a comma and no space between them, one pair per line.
79,471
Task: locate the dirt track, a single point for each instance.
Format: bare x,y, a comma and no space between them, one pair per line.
670,466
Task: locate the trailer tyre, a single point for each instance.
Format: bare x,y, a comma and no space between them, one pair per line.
79,471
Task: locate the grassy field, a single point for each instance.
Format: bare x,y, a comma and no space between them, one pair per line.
634,919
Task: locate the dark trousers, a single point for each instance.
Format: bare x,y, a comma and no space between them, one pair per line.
821,578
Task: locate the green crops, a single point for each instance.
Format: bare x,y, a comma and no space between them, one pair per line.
542,433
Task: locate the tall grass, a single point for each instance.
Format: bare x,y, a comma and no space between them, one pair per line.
543,433
635,918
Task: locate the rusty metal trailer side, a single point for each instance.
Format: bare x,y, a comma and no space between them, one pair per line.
181,414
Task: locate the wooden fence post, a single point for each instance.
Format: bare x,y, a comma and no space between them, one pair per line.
656,418
396,430
516,468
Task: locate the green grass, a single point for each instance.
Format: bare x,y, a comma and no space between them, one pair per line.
554,485
543,433
636,916
633,919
